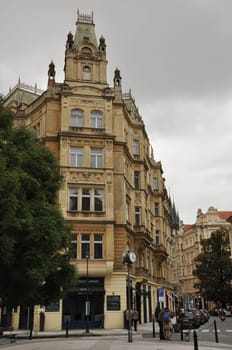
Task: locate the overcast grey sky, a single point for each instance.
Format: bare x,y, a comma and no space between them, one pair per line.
175,55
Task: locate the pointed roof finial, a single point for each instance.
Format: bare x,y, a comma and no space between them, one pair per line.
51,73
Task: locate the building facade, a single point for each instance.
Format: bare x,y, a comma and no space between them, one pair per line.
113,192
189,246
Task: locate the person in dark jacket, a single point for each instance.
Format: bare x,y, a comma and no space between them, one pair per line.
161,324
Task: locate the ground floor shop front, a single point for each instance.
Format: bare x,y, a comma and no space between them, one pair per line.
96,302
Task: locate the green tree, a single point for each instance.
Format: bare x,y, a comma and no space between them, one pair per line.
34,237
214,268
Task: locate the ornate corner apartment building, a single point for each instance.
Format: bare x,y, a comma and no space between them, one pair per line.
189,246
113,192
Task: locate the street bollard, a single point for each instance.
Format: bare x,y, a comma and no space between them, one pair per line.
153,327
181,333
215,331
66,328
195,340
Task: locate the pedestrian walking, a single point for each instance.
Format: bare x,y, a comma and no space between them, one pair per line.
161,325
135,317
167,326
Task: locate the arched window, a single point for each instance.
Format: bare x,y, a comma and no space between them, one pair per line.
77,118
86,73
96,119
86,51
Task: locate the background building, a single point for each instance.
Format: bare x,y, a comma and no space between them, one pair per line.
189,246
113,193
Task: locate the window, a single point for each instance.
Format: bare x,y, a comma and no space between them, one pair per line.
85,246
98,200
86,73
37,129
156,209
96,119
54,306
155,183
136,147
73,247
137,216
77,118
157,237
76,156
127,211
85,199
73,199
98,245
137,179
96,158
86,51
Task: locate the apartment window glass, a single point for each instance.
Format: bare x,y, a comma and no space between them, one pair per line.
77,118
127,211
157,237
73,247
96,119
135,147
156,209
86,73
85,246
98,246
137,216
96,158
73,199
76,156
155,183
137,179
85,199
98,200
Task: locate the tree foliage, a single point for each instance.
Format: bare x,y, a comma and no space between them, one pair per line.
34,238
214,268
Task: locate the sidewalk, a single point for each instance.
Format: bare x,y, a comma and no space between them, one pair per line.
108,339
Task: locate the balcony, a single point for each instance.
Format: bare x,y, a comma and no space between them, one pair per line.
160,252
143,238
142,272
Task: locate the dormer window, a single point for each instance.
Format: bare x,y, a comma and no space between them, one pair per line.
86,73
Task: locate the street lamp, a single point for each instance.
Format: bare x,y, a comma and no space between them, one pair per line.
129,258
87,304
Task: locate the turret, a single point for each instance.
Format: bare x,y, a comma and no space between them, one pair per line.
85,60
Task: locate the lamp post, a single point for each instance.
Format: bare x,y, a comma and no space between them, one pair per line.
129,258
87,306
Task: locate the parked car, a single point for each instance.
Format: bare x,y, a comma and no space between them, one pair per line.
227,313
198,318
186,320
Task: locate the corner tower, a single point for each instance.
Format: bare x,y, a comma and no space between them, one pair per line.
85,59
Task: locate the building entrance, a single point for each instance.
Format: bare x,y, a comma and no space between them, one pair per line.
74,305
